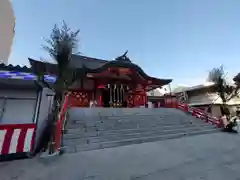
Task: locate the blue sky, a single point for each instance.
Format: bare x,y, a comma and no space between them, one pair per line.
179,39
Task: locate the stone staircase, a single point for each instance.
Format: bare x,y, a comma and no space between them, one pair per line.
97,128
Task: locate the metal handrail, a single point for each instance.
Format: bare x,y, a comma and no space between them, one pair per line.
203,115
59,124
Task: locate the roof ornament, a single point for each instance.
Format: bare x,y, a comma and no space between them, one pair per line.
123,57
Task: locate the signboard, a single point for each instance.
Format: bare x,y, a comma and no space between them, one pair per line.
124,71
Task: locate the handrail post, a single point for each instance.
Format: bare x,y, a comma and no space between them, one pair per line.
185,107
194,112
206,117
200,114
59,123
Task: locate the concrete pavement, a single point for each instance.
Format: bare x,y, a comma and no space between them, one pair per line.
209,156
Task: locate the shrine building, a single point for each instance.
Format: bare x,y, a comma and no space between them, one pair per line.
116,83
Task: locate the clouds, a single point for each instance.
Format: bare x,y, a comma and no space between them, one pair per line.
196,79
189,81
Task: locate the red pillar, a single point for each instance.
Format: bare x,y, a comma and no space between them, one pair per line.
185,107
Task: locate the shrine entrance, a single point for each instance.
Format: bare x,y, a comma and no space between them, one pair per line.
113,95
106,97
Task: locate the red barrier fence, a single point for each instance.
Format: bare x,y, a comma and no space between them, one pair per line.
200,114
16,138
59,124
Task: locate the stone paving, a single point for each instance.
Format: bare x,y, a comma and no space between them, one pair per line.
203,157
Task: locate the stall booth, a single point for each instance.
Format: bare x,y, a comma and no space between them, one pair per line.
20,98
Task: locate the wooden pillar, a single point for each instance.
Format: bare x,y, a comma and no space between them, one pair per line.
145,96
94,91
99,98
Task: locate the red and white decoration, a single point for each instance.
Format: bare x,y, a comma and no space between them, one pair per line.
16,138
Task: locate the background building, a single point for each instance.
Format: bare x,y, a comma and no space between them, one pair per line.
205,97
158,91
7,23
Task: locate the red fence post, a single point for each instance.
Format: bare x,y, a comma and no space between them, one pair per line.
59,123
206,117
220,123
194,112
185,107
200,114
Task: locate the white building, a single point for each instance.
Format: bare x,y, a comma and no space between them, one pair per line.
205,97
22,100
158,92
7,23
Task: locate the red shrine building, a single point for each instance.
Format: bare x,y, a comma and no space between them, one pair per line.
116,83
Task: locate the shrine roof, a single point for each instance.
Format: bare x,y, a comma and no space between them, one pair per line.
79,61
92,65
11,67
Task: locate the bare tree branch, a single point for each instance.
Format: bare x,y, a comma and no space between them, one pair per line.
61,44
224,90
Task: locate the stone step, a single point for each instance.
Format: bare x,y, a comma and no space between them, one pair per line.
120,125
124,117
116,112
79,133
121,121
111,112
146,121
136,119
133,126
132,119
98,128
94,146
114,137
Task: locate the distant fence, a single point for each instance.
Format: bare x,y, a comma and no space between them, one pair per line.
16,139
200,114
